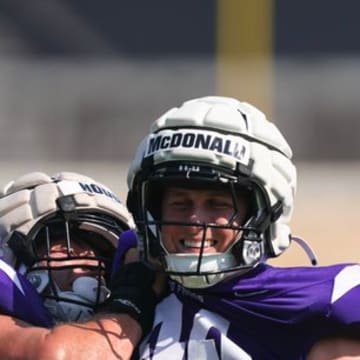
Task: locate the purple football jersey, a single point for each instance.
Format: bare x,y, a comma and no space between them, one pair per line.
269,313
19,299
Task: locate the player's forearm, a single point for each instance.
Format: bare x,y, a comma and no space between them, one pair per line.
106,337
335,349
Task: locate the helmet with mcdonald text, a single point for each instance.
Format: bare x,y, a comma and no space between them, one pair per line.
61,232
215,142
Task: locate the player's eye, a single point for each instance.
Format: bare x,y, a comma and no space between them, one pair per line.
219,204
180,204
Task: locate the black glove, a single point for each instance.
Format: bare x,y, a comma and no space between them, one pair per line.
132,294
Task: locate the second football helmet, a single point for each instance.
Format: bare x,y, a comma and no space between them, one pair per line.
36,210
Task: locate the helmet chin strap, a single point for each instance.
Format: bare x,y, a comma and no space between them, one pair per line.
179,264
72,305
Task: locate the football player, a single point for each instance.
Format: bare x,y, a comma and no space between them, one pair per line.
211,189
62,291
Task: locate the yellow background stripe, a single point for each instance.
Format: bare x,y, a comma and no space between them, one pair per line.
244,51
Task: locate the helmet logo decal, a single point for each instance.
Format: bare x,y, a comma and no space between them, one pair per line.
227,145
74,187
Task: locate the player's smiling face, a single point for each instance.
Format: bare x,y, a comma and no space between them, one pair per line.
194,205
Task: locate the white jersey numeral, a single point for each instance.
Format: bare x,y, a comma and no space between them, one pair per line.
168,345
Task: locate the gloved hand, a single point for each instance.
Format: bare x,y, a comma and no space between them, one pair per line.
132,288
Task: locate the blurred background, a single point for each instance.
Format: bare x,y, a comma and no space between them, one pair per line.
81,81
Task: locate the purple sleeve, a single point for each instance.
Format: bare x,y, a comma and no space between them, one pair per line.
19,299
127,240
345,296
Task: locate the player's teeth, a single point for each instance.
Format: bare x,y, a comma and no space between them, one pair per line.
197,244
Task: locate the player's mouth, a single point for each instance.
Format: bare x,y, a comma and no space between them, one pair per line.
193,245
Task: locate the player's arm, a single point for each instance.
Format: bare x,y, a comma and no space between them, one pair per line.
106,336
342,346
113,332
335,349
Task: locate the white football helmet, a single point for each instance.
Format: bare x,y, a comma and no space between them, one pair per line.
37,209
215,140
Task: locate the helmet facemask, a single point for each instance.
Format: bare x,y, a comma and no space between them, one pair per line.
204,269
71,262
